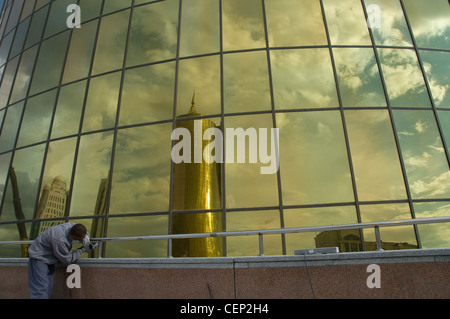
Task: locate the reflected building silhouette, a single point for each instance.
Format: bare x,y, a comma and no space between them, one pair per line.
98,224
349,240
196,186
52,204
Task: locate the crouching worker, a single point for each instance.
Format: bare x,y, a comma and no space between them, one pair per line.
52,246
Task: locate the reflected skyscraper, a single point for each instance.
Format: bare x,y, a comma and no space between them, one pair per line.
196,186
52,204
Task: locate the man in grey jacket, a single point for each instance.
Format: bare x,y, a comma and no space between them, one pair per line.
52,246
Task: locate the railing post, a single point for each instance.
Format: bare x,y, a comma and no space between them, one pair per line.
377,237
261,245
169,248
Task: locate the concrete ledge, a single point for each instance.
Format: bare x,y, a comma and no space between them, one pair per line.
421,273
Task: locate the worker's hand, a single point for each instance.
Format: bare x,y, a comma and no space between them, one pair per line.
90,247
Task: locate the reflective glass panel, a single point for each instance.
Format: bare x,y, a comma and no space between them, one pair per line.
37,118
200,27
423,154
53,195
91,175
313,159
249,245
202,76
19,38
433,235
101,104
358,76
14,15
392,238
23,75
321,216
303,79
114,5
153,34
5,47
388,23
68,110
27,8
295,22
346,22
444,119
8,77
141,179
90,9
80,52
12,232
242,25
430,23
374,154
10,126
58,16
137,226
111,42
27,165
246,82
5,160
246,185
147,94
403,77
47,72
36,27
437,70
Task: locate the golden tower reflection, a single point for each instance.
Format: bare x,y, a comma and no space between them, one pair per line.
196,186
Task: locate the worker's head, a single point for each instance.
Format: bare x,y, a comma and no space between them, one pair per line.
78,231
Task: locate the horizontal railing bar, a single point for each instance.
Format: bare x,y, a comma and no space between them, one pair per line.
403,222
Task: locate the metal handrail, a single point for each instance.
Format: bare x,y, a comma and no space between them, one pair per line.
261,233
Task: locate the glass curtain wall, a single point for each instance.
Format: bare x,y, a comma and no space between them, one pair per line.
359,91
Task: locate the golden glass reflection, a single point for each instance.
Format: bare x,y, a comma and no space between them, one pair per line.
245,185
153,35
37,118
10,232
141,176
201,75
242,25
392,238
351,30
249,245
246,82
8,77
68,110
423,154
430,23
56,20
101,104
358,76
295,23
392,29
433,235
147,94
23,76
111,42
10,126
375,159
437,70
200,31
114,5
19,202
318,171
196,186
93,166
303,79
404,79
49,64
78,59
137,226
